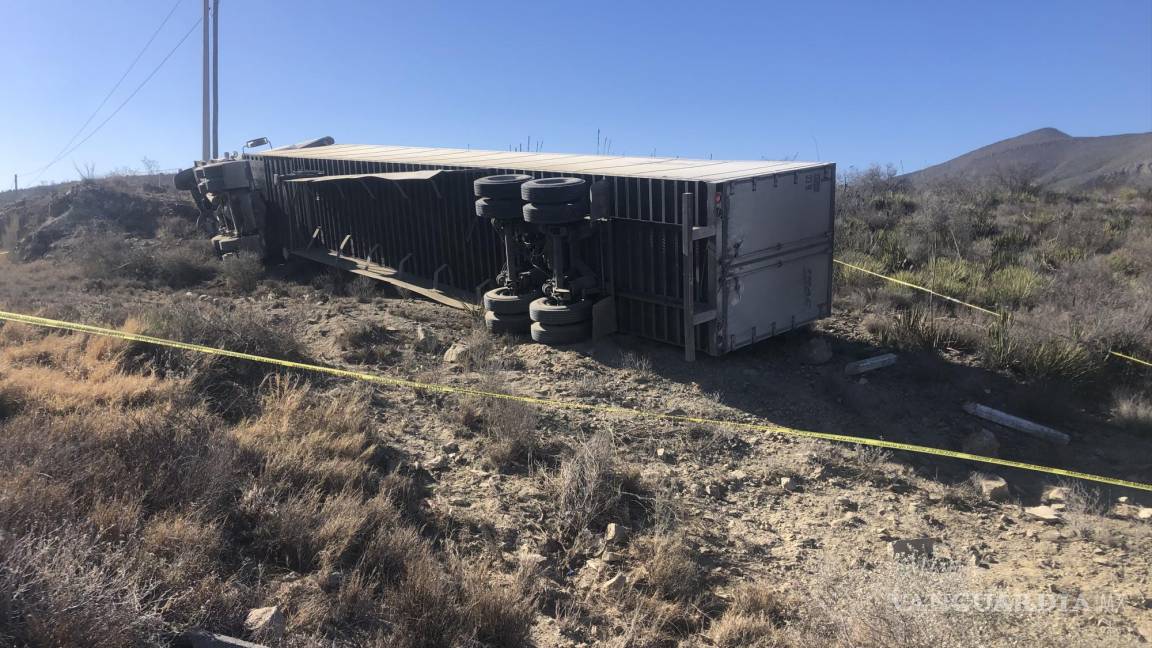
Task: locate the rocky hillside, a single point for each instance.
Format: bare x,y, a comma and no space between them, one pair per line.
1053,159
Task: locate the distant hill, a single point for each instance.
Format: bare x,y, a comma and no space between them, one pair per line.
1053,159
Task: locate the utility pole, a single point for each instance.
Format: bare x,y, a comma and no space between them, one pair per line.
215,79
206,148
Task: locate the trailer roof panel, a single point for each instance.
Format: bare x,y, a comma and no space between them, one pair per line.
637,167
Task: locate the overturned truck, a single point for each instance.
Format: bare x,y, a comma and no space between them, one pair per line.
710,255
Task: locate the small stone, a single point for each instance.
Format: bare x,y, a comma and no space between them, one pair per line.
615,533
611,557
1043,513
665,455
330,581
788,484
846,504
922,547
1144,513
737,476
1123,499
819,351
716,490
617,583
983,443
1050,535
266,623
1054,494
992,487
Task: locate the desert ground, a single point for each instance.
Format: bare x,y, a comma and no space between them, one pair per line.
149,493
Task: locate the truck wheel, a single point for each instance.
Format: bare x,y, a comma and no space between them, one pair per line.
500,208
501,187
554,335
554,213
185,180
549,313
506,324
554,190
505,302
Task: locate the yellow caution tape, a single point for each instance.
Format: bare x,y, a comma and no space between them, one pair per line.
559,404
972,306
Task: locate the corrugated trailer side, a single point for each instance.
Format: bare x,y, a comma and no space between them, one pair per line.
732,256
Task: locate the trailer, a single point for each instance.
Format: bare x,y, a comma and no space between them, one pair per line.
710,255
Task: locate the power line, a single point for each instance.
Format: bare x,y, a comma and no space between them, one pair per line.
104,101
126,100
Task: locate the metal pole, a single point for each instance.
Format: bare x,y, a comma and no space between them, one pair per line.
215,79
206,146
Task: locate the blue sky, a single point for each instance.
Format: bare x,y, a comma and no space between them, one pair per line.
911,83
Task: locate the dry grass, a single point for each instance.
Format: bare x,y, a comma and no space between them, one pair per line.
1133,410
125,518
593,488
242,271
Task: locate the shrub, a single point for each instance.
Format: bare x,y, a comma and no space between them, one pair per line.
592,488
1133,410
242,271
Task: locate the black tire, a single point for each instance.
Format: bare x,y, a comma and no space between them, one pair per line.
504,302
561,334
501,187
185,180
554,190
551,314
554,213
500,209
506,324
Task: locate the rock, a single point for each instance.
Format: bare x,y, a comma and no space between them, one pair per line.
266,623
846,504
917,547
1144,513
716,490
1043,513
1054,494
665,455
456,353
1051,535
788,484
1144,629
426,339
615,533
330,581
611,557
616,584
992,487
435,463
983,443
737,477
818,352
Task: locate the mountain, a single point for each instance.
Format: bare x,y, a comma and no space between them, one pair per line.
1053,159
